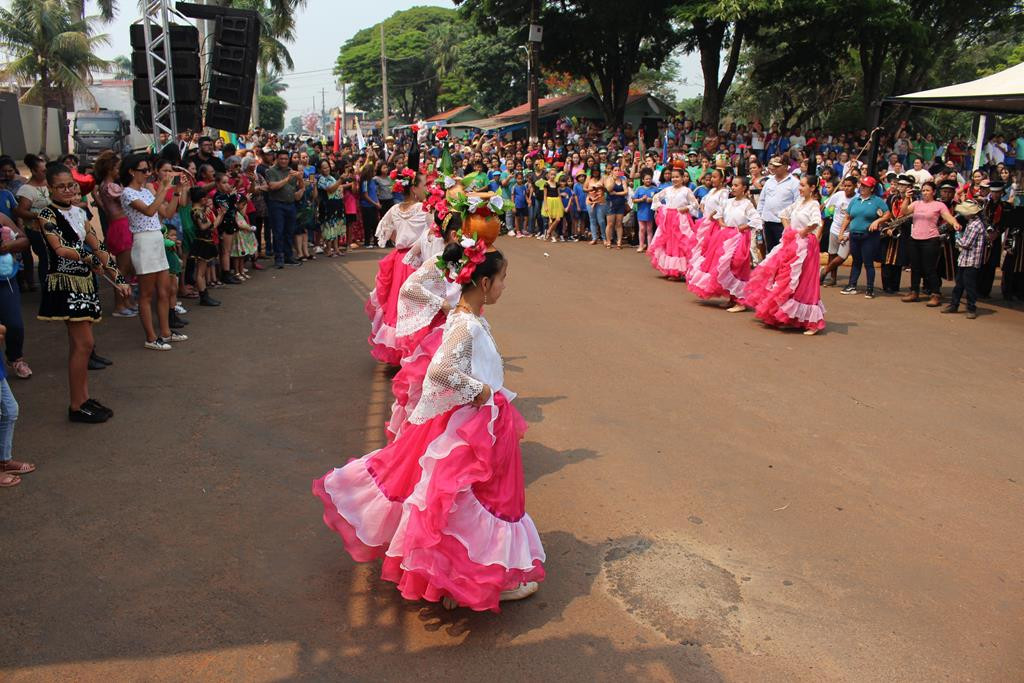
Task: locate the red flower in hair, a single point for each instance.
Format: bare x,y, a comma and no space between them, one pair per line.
441,134
408,173
393,175
473,257
414,128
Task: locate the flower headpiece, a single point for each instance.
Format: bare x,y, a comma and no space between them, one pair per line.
441,134
438,203
474,251
478,205
403,180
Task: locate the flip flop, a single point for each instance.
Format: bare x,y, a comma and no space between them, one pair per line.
8,480
16,467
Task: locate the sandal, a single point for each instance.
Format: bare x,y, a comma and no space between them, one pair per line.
16,467
8,480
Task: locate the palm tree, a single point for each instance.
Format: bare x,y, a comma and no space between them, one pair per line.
51,48
121,67
271,84
107,8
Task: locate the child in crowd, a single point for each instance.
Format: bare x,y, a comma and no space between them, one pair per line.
643,197
204,250
521,200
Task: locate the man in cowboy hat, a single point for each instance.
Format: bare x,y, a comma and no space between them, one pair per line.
777,193
971,241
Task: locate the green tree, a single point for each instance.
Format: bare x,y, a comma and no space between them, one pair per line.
52,49
599,41
121,67
272,84
410,42
272,110
489,73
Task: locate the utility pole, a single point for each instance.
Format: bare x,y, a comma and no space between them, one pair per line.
344,110
323,110
384,83
534,38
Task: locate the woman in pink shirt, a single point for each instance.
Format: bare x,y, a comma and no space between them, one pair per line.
924,246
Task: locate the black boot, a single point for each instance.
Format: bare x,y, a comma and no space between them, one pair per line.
175,321
206,300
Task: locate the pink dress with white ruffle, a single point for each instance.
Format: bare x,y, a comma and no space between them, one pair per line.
405,227
722,266
444,504
784,290
671,245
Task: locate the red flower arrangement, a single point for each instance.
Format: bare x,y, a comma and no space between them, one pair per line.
441,134
437,203
414,128
403,181
474,251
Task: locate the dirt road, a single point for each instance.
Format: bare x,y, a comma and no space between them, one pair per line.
718,501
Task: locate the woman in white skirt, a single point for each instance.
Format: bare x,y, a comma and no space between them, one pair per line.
148,256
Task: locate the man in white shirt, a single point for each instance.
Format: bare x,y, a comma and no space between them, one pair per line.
920,173
778,192
838,251
995,151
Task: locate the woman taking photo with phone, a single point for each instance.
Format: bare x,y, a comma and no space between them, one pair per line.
148,256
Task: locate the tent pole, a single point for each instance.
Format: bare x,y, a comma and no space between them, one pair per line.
979,144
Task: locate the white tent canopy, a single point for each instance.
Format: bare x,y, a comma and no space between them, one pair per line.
1000,93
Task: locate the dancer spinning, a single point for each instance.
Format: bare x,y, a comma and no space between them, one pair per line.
672,243
720,265
424,302
444,504
404,223
784,290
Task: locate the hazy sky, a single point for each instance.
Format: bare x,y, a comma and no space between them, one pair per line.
321,28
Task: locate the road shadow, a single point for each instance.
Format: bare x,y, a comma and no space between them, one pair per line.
540,460
532,407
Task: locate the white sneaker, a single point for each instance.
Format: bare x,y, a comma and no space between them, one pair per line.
177,337
158,345
180,310
125,313
525,590
553,239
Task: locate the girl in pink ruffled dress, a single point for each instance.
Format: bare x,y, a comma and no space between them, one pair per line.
671,245
706,226
444,504
404,223
724,265
424,302
784,290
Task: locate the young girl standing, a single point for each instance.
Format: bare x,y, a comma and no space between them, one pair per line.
203,250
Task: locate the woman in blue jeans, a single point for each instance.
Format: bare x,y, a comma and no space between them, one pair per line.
597,206
12,242
10,469
864,216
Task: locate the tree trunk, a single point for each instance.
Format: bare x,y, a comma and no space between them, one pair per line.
872,58
42,127
709,42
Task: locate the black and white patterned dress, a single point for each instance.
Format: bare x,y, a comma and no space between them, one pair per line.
70,292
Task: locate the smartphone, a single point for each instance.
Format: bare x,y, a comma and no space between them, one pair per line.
175,180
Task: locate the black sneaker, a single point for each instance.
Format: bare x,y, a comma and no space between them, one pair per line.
100,359
279,265
87,415
292,262
96,365
98,407
869,294
848,290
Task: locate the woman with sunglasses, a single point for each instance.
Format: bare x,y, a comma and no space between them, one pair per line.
149,258
74,253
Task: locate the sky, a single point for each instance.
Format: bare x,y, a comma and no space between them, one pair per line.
322,27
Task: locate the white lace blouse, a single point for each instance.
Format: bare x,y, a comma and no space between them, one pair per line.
713,201
404,226
677,198
422,296
467,359
802,214
736,212
426,248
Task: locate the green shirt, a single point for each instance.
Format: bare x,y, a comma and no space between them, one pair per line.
285,193
696,173
927,152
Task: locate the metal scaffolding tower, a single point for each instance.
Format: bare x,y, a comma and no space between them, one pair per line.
156,28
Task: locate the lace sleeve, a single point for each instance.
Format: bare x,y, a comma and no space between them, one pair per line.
414,257
385,228
448,382
420,299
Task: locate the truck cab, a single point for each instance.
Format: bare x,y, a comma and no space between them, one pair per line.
96,131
